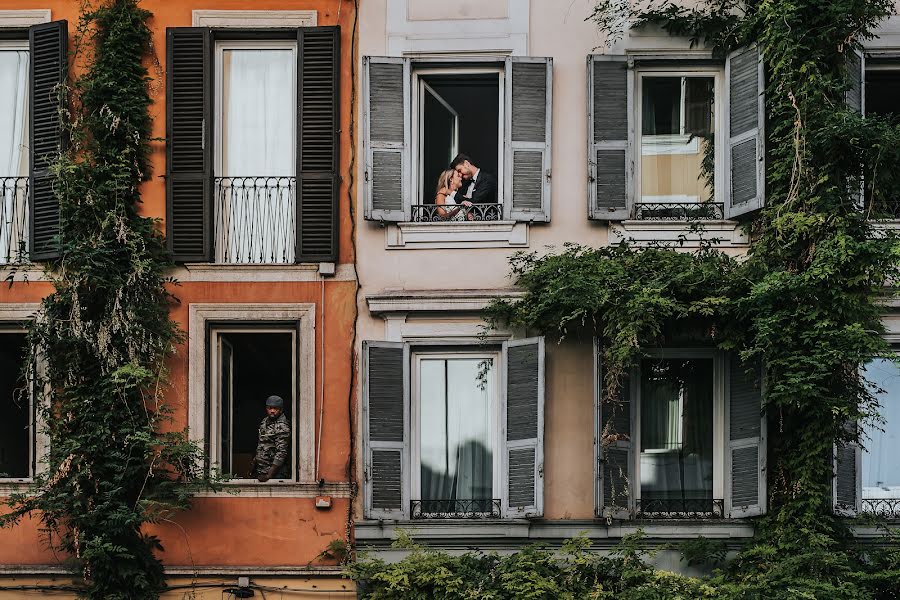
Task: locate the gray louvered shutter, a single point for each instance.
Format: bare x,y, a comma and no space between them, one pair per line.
529,113
856,72
745,459
746,174
48,47
523,454
188,144
386,429
847,485
318,150
610,133
386,138
614,452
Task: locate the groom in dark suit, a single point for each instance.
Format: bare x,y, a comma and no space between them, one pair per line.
477,186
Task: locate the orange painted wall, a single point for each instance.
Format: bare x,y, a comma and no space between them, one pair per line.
227,529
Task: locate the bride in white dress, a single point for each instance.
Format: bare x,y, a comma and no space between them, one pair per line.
448,185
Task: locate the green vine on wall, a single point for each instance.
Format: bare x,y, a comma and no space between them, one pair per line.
100,340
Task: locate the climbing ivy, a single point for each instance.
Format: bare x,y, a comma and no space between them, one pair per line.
100,340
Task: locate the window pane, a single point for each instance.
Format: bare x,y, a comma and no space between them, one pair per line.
677,146
456,398
676,429
882,91
14,159
15,408
881,469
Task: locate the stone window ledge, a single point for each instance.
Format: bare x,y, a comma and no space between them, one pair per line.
724,234
452,234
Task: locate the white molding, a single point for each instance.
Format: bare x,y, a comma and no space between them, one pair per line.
440,301
24,18
644,233
887,35
199,314
259,273
254,18
456,234
244,489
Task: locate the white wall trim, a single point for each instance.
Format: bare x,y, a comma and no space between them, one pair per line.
199,314
254,18
643,233
259,273
456,234
246,489
24,18
411,301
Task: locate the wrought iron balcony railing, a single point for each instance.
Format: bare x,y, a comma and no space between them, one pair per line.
13,219
680,508
437,213
680,211
884,209
255,219
481,508
888,508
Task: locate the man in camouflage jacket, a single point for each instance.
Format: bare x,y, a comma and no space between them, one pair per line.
273,447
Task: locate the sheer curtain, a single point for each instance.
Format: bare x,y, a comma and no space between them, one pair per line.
881,469
676,429
456,446
257,201
13,150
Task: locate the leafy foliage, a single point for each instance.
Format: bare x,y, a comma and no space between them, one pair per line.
99,342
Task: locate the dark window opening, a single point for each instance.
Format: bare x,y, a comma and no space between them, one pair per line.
882,91
15,408
252,367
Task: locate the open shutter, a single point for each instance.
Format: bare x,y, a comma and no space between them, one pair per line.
745,459
529,92
188,144
614,454
318,143
386,429
745,191
610,131
386,138
856,95
48,45
523,454
847,485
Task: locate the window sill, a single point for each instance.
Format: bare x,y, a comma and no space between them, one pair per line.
14,486
719,234
456,234
246,488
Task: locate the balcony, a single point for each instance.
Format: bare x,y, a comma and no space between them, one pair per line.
886,508
255,219
680,508
435,213
486,508
13,220
680,211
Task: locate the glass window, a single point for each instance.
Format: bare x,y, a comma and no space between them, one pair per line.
882,90
256,160
14,158
676,429
16,410
881,469
677,128
457,403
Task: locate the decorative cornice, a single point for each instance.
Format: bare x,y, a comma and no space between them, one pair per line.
254,18
441,301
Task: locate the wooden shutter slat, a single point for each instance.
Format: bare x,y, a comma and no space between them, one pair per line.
318,144
524,424
188,144
745,457
745,174
48,46
609,140
615,450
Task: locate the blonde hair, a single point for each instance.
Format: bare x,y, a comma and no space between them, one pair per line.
444,180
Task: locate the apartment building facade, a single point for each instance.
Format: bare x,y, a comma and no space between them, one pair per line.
492,439
251,119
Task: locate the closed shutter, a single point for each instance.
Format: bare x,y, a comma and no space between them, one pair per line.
847,486
746,132
48,46
386,429
856,73
386,125
529,93
614,453
610,131
318,144
188,144
745,459
523,454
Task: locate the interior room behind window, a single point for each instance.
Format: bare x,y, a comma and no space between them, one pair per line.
14,159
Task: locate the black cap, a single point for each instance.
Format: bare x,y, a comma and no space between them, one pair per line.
274,402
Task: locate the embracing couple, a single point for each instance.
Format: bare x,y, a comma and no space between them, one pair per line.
461,187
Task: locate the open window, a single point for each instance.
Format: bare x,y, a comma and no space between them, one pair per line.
453,432
420,113
17,410
879,95
14,155
249,364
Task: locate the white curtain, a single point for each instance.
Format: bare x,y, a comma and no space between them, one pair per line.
456,448
257,203
881,469
13,150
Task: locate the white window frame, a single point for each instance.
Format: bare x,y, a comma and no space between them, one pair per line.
864,447
719,425
215,408
417,355
719,110
418,69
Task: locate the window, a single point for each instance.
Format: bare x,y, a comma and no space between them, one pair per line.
419,113
683,439
882,86
14,155
17,414
881,442
249,365
252,141
433,418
